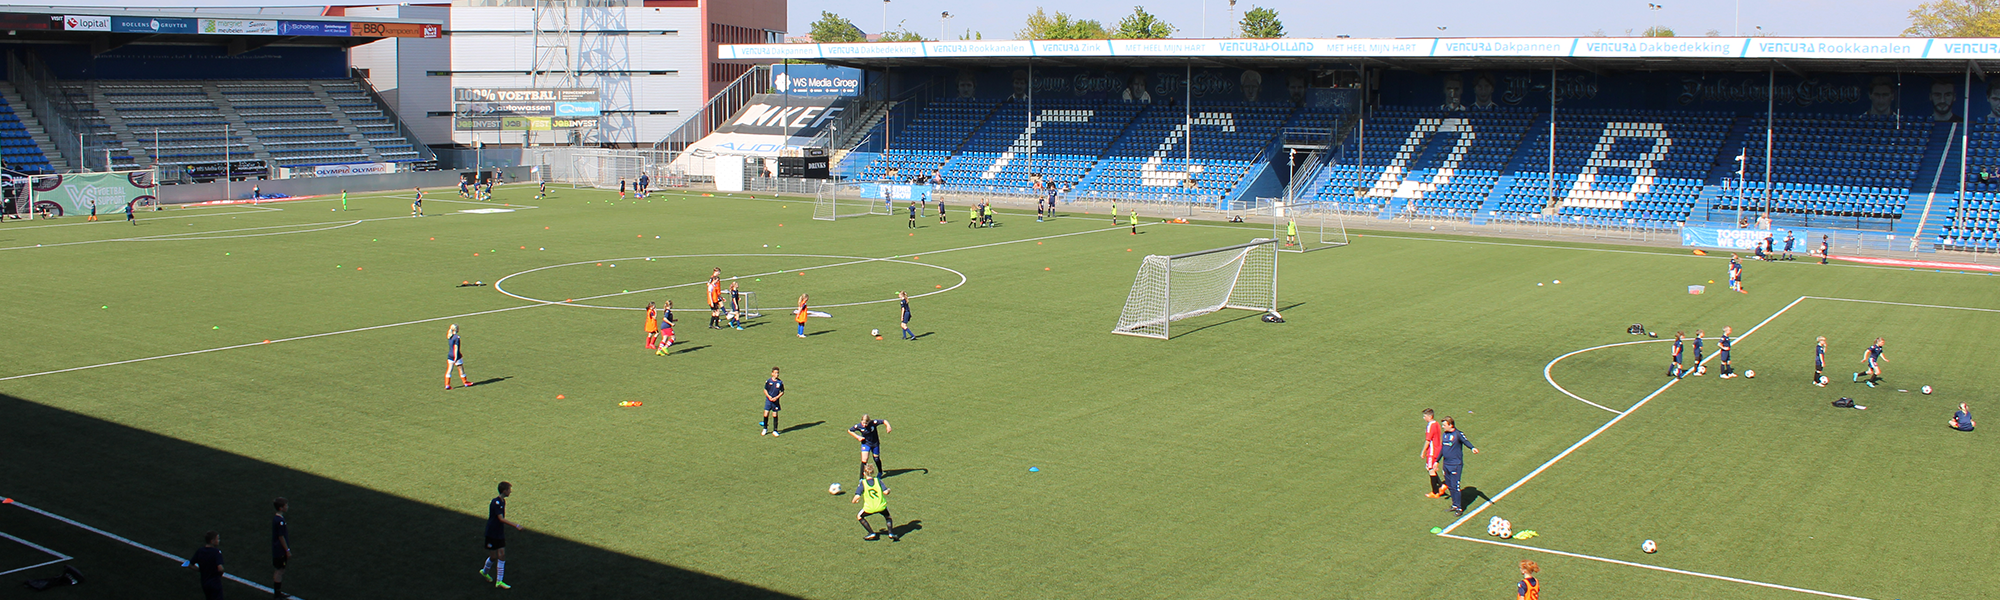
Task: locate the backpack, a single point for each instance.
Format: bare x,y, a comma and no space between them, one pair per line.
1844,403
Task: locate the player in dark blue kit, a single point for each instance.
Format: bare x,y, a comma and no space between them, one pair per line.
1451,458
496,538
774,390
1674,370
1698,369
913,215
207,561
1819,362
871,441
904,299
1788,244
454,357
281,548
1722,354
1873,357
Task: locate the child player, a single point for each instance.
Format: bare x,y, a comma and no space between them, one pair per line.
913,215
1698,369
454,356
652,327
417,205
1529,589
774,391
800,315
1873,357
1722,348
1822,249
904,299
1736,274
1674,370
715,299
871,441
735,307
1819,362
872,496
666,327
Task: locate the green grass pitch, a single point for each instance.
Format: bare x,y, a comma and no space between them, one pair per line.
1238,459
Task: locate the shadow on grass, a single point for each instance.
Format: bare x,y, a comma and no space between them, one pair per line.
820,332
1254,315
894,472
925,334
353,542
687,349
802,426
905,529
492,380
1467,494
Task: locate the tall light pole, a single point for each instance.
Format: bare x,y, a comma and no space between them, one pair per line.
1232,21
885,19
1655,9
943,18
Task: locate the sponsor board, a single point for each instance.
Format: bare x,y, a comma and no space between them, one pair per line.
239,27
524,95
816,80
86,23
1732,239
153,25
315,28
353,169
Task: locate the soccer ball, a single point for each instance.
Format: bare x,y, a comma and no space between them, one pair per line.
1822,380
875,332
1700,370
1927,390
1749,374
1649,547
835,490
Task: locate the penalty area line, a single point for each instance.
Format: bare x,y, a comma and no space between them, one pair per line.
128,542
60,557
1658,568
1607,425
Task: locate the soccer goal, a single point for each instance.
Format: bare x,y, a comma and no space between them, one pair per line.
833,201
1320,226
93,193
1171,288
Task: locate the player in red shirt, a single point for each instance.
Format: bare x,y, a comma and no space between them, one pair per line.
1433,438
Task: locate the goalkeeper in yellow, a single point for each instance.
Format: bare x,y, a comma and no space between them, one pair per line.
871,495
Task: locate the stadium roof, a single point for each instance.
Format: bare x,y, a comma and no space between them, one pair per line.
244,28
1928,55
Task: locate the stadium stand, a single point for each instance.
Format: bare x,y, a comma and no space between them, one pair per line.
18,150
1624,167
289,123
1852,167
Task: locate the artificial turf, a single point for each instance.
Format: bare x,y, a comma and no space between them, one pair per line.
1238,459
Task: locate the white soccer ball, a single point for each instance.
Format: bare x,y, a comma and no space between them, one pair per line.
1822,381
1927,390
875,332
1699,370
835,490
1649,547
1749,374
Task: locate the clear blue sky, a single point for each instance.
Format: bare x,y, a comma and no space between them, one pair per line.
1461,18
1325,18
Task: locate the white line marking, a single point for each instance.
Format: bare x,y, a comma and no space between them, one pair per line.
56,561
1659,568
1905,304
258,209
1552,365
859,260
1607,425
432,320
60,557
133,544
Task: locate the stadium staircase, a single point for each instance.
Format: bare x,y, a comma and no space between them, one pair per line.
286,123
25,146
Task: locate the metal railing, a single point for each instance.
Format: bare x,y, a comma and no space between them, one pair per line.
59,116
717,110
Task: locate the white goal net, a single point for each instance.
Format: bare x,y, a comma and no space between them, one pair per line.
834,201
1317,225
1171,288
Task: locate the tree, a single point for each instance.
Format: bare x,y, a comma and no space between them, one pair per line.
972,35
1142,25
1714,33
1262,22
1658,31
833,29
1041,26
1955,18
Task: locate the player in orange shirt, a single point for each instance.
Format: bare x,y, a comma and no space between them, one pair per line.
800,316
715,299
1530,589
652,327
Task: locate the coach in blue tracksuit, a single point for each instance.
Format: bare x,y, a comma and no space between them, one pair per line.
1453,445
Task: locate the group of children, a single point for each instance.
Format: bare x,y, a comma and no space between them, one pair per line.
640,191
1723,346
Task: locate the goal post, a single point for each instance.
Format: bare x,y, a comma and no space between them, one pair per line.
1319,225
834,201
1171,288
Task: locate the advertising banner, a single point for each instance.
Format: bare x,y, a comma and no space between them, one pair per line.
523,95
395,30
85,23
315,28
22,21
153,25
238,27
354,169
775,114
504,109
816,80
1731,239
512,109
103,193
